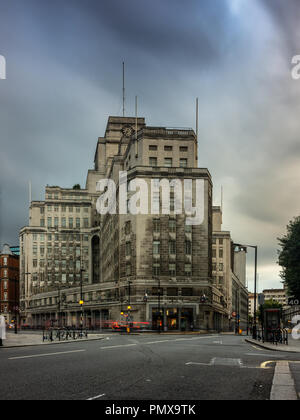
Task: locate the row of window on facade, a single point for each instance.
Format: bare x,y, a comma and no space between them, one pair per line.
67,196
157,226
168,162
59,278
63,237
64,223
63,264
217,267
156,269
63,250
64,209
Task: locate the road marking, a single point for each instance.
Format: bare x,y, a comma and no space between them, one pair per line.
115,347
156,342
96,398
45,354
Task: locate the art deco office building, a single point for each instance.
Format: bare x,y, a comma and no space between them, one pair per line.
153,267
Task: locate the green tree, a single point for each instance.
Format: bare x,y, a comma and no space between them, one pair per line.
76,187
289,257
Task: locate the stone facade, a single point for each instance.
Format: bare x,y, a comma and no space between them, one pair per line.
151,268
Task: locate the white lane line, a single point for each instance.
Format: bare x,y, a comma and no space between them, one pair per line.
96,398
46,354
115,347
156,342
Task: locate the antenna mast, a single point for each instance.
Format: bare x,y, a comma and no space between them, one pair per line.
123,89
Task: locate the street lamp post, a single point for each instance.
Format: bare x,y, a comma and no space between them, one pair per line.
254,331
81,299
16,309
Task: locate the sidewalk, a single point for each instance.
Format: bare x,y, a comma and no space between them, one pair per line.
293,346
27,339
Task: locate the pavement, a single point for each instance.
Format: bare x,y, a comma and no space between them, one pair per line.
149,367
292,347
24,339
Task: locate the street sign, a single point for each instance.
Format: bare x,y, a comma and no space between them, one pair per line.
292,301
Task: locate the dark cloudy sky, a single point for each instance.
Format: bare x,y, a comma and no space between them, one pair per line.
64,78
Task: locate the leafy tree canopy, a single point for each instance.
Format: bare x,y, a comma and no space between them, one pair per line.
289,257
76,187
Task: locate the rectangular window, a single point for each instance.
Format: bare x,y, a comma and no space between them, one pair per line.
186,291
172,247
152,147
71,222
168,162
220,253
183,149
156,225
153,161
127,227
128,249
156,247
172,226
172,270
188,269
128,269
183,163
77,222
85,222
188,247
168,148
172,291
56,222
42,223
156,269
63,222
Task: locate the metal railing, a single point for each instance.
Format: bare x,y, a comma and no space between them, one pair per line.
276,336
64,334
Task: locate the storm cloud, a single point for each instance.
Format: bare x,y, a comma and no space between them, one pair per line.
64,78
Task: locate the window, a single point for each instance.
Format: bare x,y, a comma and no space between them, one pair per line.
42,222
56,222
214,253
71,222
220,241
156,247
183,163
156,269
221,253
128,249
188,269
77,209
172,270
168,162
127,227
34,263
152,161
70,209
186,291
77,222
56,208
63,222
63,209
156,225
172,226
42,250
5,261
220,267
183,149
172,291
128,269
86,222
153,147
168,148
188,228
188,247
172,247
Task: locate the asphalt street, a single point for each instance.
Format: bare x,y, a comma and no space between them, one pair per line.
141,367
